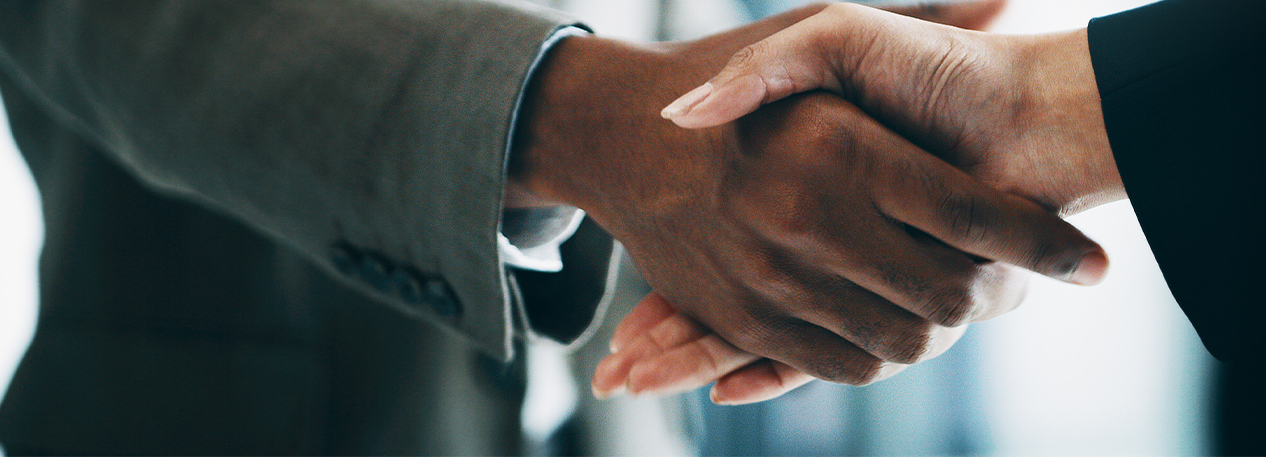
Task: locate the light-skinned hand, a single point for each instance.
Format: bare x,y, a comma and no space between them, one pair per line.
1019,112
658,350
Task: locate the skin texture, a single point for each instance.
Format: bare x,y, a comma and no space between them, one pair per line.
807,232
661,351
969,15
1020,113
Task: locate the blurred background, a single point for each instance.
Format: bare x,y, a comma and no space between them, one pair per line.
1113,369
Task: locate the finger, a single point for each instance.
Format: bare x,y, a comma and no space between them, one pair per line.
909,293
873,323
612,372
847,234
944,202
763,380
1007,287
686,367
941,285
814,350
782,64
867,278
885,330
648,313
824,51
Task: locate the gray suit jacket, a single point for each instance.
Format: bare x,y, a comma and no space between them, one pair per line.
271,226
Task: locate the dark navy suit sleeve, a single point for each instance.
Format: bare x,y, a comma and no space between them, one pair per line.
1182,90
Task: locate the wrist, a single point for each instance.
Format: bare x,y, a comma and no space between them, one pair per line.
559,121
1063,80
590,120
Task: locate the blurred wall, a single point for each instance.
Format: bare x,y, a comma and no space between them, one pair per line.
21,234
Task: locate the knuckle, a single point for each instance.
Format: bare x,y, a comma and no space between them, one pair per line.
865,372
818,141
850,368
949,299
996,288
750,56
758,334
827,140
776,288
1050,259
1011,285
951,305
911,343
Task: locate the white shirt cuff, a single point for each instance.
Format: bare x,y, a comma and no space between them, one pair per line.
527,251
543,257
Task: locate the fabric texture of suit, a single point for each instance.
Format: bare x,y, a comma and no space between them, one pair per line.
271,227
1182,92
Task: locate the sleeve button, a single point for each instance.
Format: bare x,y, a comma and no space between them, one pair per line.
376,273
442,300
407,288
344,260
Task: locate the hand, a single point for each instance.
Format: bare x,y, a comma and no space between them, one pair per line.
1019,112
676,360
658,350
807,233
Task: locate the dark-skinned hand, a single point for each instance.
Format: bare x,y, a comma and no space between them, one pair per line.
807,232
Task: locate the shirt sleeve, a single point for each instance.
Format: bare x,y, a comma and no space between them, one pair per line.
530,237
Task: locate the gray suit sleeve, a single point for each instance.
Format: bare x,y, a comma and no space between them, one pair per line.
370,135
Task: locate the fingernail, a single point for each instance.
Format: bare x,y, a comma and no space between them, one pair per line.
716,398
604,382
1091,269
687,102
603,395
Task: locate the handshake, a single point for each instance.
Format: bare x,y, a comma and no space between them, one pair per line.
838,202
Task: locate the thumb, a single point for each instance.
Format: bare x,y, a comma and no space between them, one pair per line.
816,53
783,64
